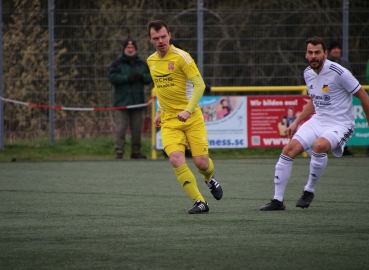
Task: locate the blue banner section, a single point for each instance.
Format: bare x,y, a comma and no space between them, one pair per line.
225,120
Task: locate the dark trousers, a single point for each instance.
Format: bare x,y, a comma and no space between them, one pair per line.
132,118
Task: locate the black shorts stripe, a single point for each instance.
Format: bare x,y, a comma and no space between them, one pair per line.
346,137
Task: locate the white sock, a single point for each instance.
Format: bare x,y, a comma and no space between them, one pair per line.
318,163
282,174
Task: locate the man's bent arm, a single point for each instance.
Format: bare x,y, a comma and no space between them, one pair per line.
306,112
198,91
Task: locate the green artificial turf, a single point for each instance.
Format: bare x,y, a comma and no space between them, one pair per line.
133,215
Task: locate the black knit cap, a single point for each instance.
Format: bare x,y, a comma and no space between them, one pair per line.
334,44
129,41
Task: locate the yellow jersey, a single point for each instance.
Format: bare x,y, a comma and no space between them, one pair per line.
171,76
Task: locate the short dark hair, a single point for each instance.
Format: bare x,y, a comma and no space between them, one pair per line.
157,25
316,41
335,44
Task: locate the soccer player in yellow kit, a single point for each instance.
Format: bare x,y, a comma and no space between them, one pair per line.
179,87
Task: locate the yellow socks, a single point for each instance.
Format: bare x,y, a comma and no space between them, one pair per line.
188,182
209,172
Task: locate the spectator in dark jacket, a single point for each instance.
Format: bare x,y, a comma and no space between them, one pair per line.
129,73
335,55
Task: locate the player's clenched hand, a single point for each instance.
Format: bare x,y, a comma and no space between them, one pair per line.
291,130
157,120
183,116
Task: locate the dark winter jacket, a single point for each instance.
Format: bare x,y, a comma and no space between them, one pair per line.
341,61
125,92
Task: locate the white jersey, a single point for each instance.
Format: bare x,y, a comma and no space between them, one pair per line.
331,92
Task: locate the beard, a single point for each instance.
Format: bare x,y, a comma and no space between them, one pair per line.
316,64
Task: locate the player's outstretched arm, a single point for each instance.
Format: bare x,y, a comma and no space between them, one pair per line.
364,99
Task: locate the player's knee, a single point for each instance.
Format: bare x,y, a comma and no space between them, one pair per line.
288,150
201,162
177,159
321,146
292,149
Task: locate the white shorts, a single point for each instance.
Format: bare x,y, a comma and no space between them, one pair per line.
311,130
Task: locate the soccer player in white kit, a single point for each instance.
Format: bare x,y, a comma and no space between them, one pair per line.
330,87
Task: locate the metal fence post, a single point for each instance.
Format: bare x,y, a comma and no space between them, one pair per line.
2,80
200,36
345,29
51,70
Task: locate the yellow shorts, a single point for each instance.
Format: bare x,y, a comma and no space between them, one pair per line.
177,135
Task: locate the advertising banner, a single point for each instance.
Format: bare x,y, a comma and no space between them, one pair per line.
260,121
225,119
268,118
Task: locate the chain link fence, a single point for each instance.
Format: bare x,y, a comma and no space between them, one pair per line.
245,44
